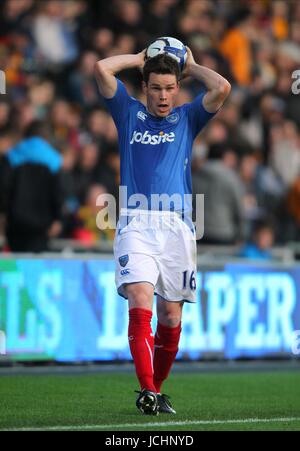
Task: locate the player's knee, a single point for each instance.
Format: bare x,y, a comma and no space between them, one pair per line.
169,319
139,297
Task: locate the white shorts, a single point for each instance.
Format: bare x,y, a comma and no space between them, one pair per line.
161,251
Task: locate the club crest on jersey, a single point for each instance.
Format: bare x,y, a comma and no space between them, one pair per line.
141,115
124,260
173,118
153,140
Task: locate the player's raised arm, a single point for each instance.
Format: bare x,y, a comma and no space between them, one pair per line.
218,88
106,69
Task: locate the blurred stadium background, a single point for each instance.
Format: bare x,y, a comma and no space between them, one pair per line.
62,305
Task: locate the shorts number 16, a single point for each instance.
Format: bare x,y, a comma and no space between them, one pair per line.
192,280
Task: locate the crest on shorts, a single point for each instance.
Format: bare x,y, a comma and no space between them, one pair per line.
124,260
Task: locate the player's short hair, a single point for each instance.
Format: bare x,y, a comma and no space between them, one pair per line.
161,64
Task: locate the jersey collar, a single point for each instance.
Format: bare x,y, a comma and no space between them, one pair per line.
161,119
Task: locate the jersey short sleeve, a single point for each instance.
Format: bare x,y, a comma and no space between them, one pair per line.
119,104
197,114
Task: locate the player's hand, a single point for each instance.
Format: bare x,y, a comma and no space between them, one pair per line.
142,59
189,62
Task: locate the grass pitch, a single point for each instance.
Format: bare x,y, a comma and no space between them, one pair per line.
106,402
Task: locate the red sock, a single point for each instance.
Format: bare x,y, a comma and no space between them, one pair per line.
165,350
141,342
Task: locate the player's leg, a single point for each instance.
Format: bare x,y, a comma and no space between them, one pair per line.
166,345
141,342
136,275
166,339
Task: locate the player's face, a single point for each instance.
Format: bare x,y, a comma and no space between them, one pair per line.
161,92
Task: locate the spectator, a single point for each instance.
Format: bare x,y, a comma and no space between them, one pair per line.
102,41
5,110
236,47
285,152
65,124
86,229
279,20
292,218
223,207
54,37
97,123
260,246
262,190
90,170
8,137
41,94
14,15
128,16
31,196
82,86
159,17
47,49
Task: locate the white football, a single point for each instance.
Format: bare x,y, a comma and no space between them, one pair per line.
171,46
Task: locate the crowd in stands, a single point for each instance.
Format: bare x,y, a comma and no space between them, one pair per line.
246,162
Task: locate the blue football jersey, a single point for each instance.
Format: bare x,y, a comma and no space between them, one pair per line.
156,152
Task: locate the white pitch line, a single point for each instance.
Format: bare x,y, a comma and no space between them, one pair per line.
108,427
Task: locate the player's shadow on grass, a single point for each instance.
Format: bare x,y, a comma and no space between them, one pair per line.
132,412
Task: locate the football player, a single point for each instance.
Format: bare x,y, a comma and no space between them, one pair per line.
156,256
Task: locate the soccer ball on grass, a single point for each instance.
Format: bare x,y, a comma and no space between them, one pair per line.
171,46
